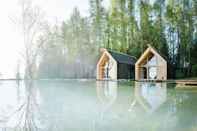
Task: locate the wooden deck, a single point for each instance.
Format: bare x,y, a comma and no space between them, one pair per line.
157,81
186,84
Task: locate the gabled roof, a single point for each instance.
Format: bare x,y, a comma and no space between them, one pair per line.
146,52
122,58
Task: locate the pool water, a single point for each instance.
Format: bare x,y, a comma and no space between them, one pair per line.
89,105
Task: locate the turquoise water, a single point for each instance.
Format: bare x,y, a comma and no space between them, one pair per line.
88,105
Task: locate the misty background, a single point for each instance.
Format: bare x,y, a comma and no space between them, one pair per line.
62,39
12,45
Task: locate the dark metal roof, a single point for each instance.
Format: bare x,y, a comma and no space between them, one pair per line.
122,58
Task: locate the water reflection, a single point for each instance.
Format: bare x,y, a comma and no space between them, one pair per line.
146,96
149,96
95,106
106,93
23,108
124,106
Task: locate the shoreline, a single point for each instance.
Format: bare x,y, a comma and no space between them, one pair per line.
168,81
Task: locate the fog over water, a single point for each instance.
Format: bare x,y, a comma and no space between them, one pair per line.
11,38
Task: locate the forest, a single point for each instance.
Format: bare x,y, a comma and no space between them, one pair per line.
71,49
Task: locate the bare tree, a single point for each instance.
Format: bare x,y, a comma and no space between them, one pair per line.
17,74
32,24
30,21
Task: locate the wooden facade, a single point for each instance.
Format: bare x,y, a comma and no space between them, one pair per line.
151,66
114,65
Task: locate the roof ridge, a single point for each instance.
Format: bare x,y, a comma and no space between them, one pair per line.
121,53
157,51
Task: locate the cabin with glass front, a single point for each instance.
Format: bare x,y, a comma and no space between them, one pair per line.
151,66
115,65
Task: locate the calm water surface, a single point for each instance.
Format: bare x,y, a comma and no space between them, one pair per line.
80,105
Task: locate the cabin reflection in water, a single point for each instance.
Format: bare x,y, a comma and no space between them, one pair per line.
148,96
107,93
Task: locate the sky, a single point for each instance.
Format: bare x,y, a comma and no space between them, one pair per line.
10,36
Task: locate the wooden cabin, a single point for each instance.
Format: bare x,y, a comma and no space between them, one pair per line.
151,66
115,65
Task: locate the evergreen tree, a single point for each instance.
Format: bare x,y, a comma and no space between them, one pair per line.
169,26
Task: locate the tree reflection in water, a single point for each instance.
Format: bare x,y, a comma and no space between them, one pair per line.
108,106
25,117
